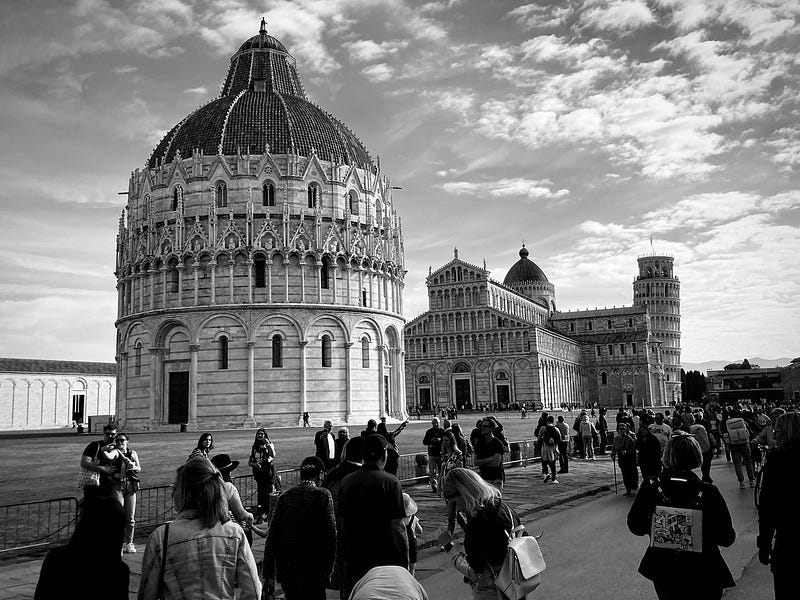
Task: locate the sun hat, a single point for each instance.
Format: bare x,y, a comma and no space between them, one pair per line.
223,462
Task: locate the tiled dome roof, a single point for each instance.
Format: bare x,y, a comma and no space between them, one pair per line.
524,270
262,106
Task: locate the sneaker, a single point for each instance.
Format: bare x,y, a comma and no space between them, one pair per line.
592,458
547,478
741,485
752,483
129,548
554,481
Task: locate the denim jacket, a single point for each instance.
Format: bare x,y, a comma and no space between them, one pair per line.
201,562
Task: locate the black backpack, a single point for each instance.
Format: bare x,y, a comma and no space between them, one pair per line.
551,436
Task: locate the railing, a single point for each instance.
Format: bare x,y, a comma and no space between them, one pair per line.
52,522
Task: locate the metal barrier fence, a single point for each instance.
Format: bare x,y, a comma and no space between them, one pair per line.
52,522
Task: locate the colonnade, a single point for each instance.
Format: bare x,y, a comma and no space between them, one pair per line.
560,383
480,344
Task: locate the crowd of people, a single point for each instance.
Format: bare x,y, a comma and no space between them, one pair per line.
349,526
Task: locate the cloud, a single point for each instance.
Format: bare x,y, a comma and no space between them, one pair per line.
617,15
535,16
503,188
364,51
378,73
200,90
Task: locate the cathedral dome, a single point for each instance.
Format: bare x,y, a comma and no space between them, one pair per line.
262,107
524,271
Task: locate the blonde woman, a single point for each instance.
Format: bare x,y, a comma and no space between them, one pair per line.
451,457
486,521
207,554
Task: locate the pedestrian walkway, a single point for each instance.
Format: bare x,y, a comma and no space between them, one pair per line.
524,490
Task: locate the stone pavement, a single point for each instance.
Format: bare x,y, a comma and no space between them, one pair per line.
524,490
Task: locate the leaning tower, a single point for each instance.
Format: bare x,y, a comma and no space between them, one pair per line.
259,265
657,288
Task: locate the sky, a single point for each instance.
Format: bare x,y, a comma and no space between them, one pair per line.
584,129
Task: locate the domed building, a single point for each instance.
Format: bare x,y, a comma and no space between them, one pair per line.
259,264
487,344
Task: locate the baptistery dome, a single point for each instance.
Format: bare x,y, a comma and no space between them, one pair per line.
262,107
259,265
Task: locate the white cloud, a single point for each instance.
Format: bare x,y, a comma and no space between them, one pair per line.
200,90
535,16
502,188
378,73
617,15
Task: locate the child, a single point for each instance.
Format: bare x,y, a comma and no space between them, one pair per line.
413,529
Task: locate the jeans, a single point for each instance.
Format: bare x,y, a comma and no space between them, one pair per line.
741,453
588,447
563,457
130,517
434,468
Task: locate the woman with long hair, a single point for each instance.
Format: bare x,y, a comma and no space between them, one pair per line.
204,445
452,457
486,521
262,457
97,540
130,487
204,553
778,530
679,571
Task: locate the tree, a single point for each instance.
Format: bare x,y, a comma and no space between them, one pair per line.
745,364
747,383
764,382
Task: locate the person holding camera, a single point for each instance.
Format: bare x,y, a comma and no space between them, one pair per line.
95,460
126,464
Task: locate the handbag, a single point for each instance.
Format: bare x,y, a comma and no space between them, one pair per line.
521,572
87,478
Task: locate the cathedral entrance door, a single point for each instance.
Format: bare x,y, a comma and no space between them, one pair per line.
463,394
502,396
424,398
178,397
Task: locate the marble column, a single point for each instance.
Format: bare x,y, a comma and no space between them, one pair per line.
303,402
250,421
193,349
231,264
348,392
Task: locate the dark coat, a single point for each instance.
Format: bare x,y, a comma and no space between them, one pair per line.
57,579
780,490
660,565
648,452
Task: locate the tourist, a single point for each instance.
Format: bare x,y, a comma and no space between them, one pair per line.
563,445
488,519
648,452
413,529
737,438
305,419
701,435
661,430
207,554
451,456
351,462
130,487
245,519
679,573
371,513
550,438
325,445
388,583
372,428
489,455
262,462
204,445
393,450
301,543
342,436
778,527
433,440
462,442
767,435
587,431
623,450
96,470
602,429
90,566
540,424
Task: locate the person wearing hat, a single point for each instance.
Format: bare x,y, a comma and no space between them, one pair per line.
393,451
371,514
225,466
301,543
489,455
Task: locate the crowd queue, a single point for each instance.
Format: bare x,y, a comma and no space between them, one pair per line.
348,525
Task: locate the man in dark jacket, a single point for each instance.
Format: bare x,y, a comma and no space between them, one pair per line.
325,445
433,440
371,513
301,543
648,452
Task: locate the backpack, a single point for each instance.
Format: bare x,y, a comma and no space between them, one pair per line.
521,572
677,529
586,429
550,437
737,431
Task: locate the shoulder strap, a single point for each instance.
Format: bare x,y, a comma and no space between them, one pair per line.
163,562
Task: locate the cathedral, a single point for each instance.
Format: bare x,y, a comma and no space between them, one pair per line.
485,343
259,265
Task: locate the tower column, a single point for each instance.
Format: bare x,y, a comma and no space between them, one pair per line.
193,349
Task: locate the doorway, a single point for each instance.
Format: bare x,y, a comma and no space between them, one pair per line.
502,396
425,398
629,399
79,408
463,394
178,397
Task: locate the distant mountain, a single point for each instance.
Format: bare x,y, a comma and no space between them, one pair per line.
713,365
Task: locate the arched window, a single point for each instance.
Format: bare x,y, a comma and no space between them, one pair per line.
365,353
221,194
604,378
260,271
353,199
174,280
177,197
324,275
223,352
137,359
277,351
326,351
268,194
313,195
363,297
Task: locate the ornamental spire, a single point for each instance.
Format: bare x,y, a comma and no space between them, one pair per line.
263,30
